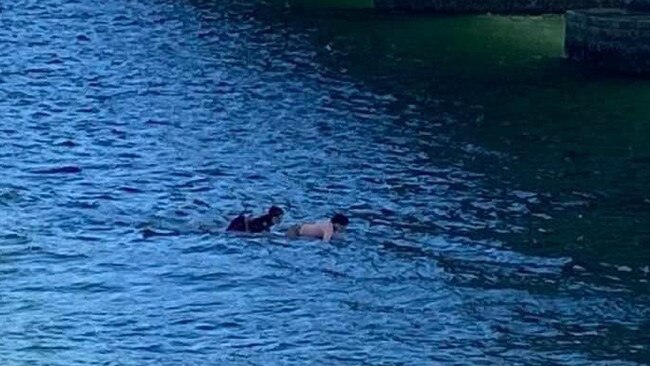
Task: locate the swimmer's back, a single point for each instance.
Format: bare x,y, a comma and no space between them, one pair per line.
321,230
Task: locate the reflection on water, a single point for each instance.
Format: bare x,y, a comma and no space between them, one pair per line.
498,194
518,112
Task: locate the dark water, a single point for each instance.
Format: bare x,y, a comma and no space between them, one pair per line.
499,196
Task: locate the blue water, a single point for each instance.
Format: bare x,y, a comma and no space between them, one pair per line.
131,131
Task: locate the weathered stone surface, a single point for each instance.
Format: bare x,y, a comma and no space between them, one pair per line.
610,39
494,6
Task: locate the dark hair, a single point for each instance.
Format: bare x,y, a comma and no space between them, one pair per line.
275,211
340,219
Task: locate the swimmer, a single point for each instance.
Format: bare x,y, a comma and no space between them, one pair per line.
321,230
258,224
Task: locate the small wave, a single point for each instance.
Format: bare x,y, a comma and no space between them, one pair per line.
69,169
149,233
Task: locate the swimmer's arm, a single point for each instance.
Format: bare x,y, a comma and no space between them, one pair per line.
327,234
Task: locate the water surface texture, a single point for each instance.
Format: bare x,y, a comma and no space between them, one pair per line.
499,196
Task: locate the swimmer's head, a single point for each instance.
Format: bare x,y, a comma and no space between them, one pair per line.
276,214
340,222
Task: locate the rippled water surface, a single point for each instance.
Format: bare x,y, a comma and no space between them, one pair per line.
499,197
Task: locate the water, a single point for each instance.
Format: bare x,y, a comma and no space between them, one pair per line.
499,196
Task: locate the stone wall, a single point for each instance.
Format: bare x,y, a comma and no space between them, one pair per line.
493,6
609,39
